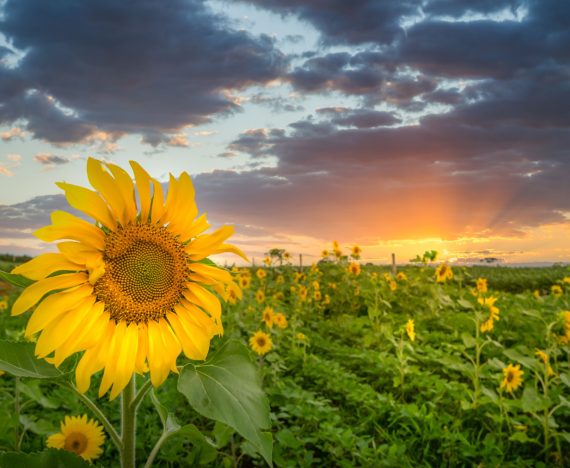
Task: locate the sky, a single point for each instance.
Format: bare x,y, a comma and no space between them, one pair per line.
401,126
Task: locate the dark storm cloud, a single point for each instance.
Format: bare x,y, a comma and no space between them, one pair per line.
125,67
360,118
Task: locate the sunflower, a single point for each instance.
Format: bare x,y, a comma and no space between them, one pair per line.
443,273
481,285
79,435
393,285
556,290
267,261
261,343
489,303
267,316
280,320
3,304
356,251
410,330
261,274
260,296
132,290
354,268
512,378
544,358
244,281
325,253
401,276
233,293
280,279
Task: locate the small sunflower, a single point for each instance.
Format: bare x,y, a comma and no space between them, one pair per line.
392,285
260,296
3,304
489,303
280,279
280,320
267,261
512,378
261,274
544,358
79,435
556,290
131,291
401,276
410,330
481,285
325,253
354,268
244,281
356,251
443,273
317,295
233,293
261,343
267,316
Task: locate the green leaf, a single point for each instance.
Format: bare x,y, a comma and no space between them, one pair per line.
532,401
205,450
51,458
468,340
18,359
227,388
565,379
16,280
465,303
32,390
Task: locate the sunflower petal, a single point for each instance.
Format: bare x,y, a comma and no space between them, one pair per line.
67,226
60,330
89,202
34,293
44,265
54,306
125,360
127,189
142,180
102,181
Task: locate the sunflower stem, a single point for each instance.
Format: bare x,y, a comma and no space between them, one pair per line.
128,424
140,395
99,415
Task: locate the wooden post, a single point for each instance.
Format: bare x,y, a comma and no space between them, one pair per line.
300,262
394,264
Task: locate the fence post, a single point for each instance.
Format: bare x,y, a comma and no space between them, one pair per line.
394,264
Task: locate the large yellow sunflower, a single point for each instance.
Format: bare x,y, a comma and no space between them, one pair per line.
80,436
131,290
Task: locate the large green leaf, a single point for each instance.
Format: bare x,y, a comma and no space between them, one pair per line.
48,459
18,359
16,280
227,388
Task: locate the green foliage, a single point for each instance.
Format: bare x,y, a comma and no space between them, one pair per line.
48,459
226,388
18,359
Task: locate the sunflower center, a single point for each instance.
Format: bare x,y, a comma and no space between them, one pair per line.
261,342
75,442
510,377
145,273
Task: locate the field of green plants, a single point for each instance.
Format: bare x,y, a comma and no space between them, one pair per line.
428,366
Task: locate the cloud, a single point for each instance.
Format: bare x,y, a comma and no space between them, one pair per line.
5,171
50,160
134,75
12,134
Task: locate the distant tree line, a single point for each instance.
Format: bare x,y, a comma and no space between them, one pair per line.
14,258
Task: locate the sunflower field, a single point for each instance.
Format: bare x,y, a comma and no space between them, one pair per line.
435,365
